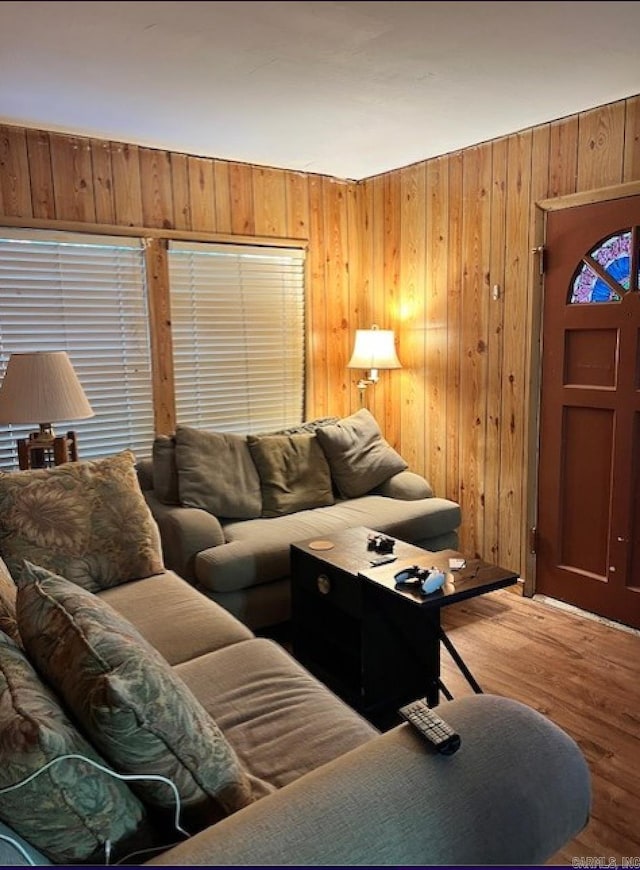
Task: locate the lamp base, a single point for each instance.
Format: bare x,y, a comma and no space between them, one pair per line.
44,449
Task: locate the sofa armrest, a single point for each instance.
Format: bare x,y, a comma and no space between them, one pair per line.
516,792
406,485
185,532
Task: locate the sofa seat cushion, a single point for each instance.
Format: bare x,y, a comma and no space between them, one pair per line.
176,619
125,696
73,808
257,551
281,721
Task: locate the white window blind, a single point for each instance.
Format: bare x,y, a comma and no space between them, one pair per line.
85,295
237,315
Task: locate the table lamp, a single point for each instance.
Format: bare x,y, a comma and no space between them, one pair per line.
41,387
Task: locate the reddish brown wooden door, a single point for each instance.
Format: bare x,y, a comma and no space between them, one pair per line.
589,471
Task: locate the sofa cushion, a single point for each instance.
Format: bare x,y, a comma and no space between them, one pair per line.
8,590
216,473
165,473
282,722
138,713
71,810
86,520
294,473
359,457
177,620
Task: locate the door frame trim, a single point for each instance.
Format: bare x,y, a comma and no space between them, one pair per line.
534,337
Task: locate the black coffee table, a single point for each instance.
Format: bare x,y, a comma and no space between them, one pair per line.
375,645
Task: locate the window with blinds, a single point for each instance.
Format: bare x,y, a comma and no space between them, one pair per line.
85,295
237,315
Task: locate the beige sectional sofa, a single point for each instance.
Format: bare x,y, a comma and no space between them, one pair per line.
229,506
115,673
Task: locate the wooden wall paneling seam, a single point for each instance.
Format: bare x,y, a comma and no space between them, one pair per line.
540,182
127,187
392,301
436,277
72,170
474,325
202,195
270,201
358,289
40,175
563,157
631,169
495,349
454,332
337,290
381,311
412,313
515,376
156,186
241,190
159,301
180,191
102,182
222,185
297,204
15,183
317,382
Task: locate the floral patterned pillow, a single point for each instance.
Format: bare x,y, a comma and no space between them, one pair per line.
8,622
136,711
73,808
86,520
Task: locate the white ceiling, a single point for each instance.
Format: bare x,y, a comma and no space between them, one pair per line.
348,89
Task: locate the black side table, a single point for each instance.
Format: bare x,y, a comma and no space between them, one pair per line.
374,646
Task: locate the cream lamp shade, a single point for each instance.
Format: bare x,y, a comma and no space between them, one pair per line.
42,388
374,349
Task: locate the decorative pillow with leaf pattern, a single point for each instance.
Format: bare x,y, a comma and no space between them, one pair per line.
70,810
85,520
128,699
8,590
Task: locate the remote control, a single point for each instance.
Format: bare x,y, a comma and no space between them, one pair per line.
431,726
381,560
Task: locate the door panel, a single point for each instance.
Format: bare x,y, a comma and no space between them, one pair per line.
589,471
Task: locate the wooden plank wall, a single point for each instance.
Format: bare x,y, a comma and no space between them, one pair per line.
436,239
419,250
69,182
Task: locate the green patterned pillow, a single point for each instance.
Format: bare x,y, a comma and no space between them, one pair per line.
129,701
72,809
85,520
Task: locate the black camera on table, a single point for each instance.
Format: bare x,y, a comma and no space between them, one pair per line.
380,544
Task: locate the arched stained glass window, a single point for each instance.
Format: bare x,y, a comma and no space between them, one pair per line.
609,270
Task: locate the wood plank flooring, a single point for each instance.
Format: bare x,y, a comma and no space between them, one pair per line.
583,675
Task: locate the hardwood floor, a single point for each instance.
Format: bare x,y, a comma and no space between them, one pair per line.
583,675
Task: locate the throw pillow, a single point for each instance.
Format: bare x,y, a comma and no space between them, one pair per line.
165,473
86,520
359,457
294,473
216,473
72,809
8,622
128,699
